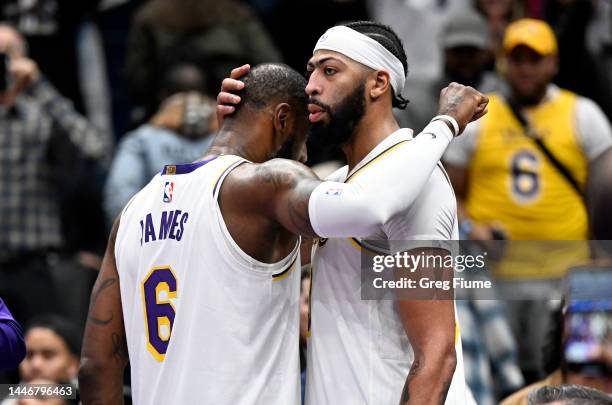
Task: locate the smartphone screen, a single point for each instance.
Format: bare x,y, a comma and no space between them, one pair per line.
588,325
588,333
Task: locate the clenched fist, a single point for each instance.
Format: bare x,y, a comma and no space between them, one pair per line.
464,103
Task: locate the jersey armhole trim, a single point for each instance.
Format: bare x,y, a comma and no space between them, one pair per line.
377,157
128,205
224,173
283,273
286,263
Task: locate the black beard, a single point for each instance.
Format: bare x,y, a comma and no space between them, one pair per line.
342,119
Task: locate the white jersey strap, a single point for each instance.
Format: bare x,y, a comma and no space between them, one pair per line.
276,270
231,162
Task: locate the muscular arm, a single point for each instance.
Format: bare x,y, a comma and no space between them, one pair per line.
104,354
388,185
291,194
277,190
430,326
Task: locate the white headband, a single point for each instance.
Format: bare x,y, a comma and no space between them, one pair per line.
364,50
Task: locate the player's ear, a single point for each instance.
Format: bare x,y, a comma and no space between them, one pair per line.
283,120
380,83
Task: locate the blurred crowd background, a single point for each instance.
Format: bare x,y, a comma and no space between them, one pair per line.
98,95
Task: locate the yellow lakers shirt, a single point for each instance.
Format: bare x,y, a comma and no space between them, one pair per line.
511,181
513,184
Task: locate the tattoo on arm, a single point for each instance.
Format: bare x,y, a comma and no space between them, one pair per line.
297,207
96,294
415,369
445,388
278,178
417,365
104,284
299,185
120,347
451,105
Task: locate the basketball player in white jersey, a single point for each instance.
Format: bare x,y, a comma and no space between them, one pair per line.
198,284
372,352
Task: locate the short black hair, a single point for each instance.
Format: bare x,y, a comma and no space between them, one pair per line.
272,83
61,326
568,395
384,35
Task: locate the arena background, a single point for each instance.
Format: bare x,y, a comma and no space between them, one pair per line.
130,85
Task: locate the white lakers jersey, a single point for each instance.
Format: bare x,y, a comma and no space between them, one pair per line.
205,322
358,351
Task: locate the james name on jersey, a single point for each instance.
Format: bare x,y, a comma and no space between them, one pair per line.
171,226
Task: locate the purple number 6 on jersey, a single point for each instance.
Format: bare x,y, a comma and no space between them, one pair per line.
158,288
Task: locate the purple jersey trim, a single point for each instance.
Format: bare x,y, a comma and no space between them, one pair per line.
185,168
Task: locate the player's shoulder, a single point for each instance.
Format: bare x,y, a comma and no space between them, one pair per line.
141,196
283,165
440,183
133,202
250,180
338,175
441,173
150,186
438,193
432,216
274,171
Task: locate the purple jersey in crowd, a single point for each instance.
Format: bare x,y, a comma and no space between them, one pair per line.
12,344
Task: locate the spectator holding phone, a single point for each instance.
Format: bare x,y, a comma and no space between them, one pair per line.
580,348
12,343
520,175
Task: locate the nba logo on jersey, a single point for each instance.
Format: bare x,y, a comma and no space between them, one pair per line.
168,189
334,191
